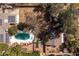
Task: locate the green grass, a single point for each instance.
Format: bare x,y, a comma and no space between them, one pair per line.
15,51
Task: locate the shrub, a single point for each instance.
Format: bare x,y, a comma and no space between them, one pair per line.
12,30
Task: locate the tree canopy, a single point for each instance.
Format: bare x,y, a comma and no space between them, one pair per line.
69,20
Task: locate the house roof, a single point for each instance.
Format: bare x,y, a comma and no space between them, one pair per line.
21,4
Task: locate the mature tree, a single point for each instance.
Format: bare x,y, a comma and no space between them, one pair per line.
69,20
48,20
49,16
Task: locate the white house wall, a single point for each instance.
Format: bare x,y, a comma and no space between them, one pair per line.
4,17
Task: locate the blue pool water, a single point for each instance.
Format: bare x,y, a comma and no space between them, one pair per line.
22,36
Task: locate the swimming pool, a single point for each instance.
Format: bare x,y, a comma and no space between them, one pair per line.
22,36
